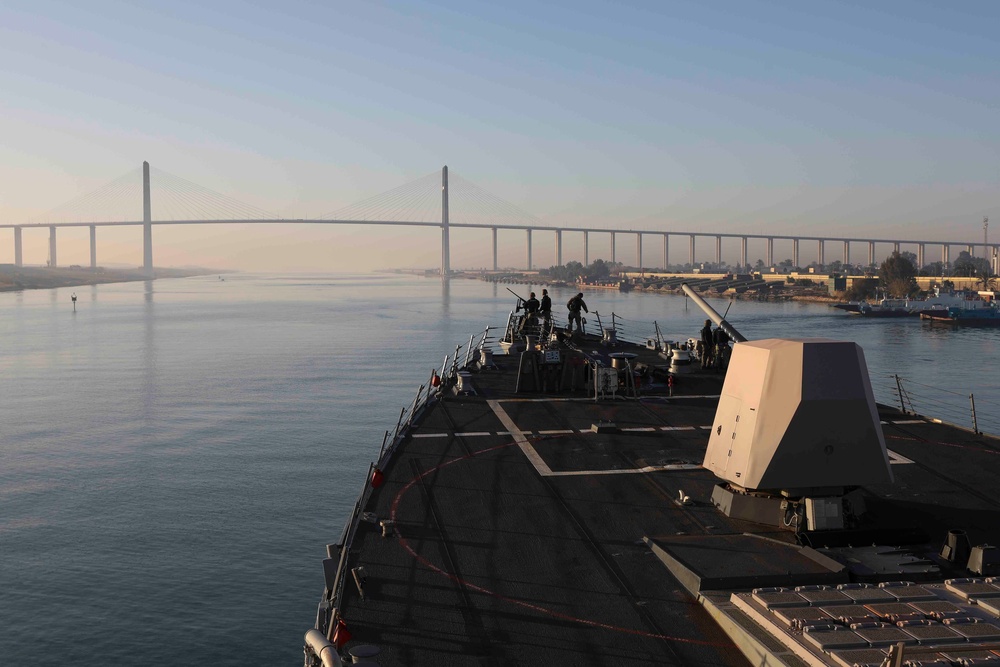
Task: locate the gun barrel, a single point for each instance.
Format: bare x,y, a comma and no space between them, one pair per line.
719,320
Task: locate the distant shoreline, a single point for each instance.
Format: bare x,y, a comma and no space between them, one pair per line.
17,278
536,279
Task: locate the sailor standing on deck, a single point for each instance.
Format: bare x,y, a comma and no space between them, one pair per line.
707,344
530,311
721,349
575,305
545,310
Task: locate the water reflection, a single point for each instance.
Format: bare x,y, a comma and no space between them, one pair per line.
149,374
446,297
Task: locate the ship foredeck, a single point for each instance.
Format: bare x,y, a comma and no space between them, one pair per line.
529,527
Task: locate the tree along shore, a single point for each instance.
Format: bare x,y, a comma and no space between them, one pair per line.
14,278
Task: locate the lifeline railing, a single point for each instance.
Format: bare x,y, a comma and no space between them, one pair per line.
629,330
937,404
327,614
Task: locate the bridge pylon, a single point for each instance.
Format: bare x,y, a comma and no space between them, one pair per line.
445,248
147,224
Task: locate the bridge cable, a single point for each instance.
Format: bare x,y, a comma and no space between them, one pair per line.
382,202
85,204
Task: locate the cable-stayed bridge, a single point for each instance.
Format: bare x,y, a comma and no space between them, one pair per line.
434,200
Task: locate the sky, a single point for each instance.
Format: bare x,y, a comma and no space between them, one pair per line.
838,118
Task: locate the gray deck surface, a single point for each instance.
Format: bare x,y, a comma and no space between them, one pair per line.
528,551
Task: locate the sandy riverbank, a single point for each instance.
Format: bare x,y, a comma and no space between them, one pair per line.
13,278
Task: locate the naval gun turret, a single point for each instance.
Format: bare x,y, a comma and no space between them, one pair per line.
796,432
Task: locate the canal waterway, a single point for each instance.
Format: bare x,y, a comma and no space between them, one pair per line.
175,454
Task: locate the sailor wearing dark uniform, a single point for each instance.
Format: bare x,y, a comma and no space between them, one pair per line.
531,307
721,349
545,309
575,305
707,344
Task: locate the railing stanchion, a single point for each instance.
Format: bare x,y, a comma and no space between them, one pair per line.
468,352
399,421
381,450
975,423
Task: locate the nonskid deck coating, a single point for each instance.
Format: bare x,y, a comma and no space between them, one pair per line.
495,563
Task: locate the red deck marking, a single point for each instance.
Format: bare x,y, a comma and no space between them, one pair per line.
485,591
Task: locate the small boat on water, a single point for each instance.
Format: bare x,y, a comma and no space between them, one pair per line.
937,303
850,306
620,285
988,316
885,307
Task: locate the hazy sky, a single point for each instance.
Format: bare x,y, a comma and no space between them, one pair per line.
813,117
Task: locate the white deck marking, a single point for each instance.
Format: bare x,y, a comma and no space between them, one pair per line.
675,398
626,471
895,458
545,471
590,399
520,437
522,442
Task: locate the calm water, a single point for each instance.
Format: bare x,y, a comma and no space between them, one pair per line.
175,455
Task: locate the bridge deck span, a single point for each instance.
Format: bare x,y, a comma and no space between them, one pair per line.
485,225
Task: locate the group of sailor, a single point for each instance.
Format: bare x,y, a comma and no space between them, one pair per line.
535,309
713,348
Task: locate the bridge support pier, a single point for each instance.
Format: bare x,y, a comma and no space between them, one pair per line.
770,251
945,254
586,249
920,256
529,248
820,259
18,254
691,250
847,253
93,246
638,250
718,250
666,251
795,254
558,247
494,248
743,253
52,247
613,260
895,247
871,254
